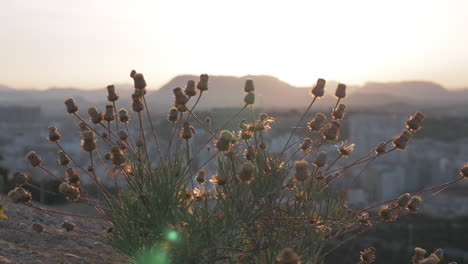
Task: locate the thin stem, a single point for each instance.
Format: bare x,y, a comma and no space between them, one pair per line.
153,130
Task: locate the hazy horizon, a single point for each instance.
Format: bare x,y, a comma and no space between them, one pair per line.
89,44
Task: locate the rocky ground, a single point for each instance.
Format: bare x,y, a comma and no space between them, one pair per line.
19,244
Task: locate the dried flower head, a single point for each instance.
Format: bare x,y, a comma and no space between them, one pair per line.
139,81
317,123
68,226
306,145
321,159
62,158
72,108
464,171
107,156
117,156
73,176
218,180
401,141
38,228
187,131
249,98
34,159
190,88
54,134
137,103
201,176
82,125
364,219
338,112
88,143
419,254
112,95
202,84
19,195
122,135
381,148
301,174
413,123
404,199
340,91
346,149
20,178
173,115
123,116
414,204
179,97
70,191
319,88
367,256
388,212
288,256
225,140
249,86
95,116
247,172
249,153
109,115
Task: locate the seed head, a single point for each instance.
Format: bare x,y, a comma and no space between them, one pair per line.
201,176
88,143
414,204
54,134
340,91
404,199
68,226
225,140
332,131
95,116
218,180
20,178
72,108
19,195
187,131
301,174
104,135
34,159
137,103
109,115
123,116
345,149
321,159
107,156
317,123
112,95
247,172
388,212
139,81
71,192
179,97
38,228
83,127
368,255
73,176
190,88
173,115
249,153
117,156
319,88
202,84
62,158
249,86
249,98
122,135
338,112
306,145
288,256
380,149
401,141
413,123
464,171
132,73
419,254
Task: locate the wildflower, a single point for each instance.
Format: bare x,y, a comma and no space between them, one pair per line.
180,97
38,228
218,180
20,178
95,116
247,172
19,195
71,106
288,256
419,254
249,86
306,145
388,212
117,156
319,89
63,159
73,176
173,115
380,149
414,203
432,259
301,174
2,213
139,81
137,103
109,114
345,149
317,123
413,122
249,98
338,112
34,159
88,143
123,116
404,199
201,176
225,140
464,171
401,141
340,91
249,153
68,226
71,192
321,159
112,95
122,135
54,134
187,131
368,255
190,88
202,84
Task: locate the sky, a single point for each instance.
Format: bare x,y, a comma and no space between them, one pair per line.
93,43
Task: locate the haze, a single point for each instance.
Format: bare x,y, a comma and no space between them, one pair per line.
90,44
